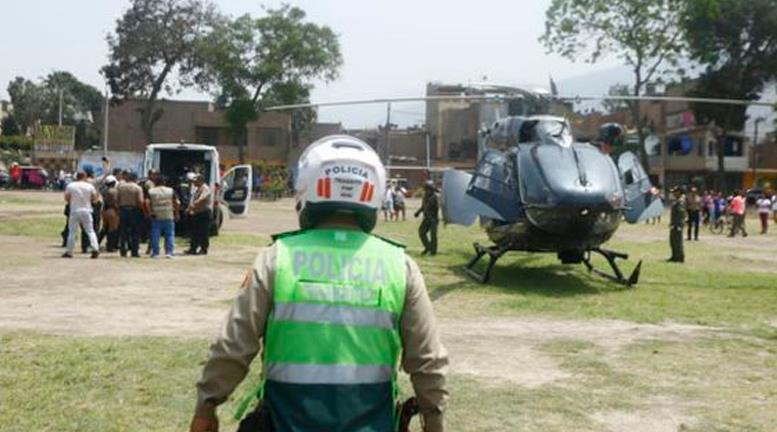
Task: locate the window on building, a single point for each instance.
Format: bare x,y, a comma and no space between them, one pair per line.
271,137
733,147
207,135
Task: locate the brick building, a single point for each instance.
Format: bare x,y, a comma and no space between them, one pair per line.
268,140
688,150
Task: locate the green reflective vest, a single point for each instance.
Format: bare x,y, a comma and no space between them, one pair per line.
332,343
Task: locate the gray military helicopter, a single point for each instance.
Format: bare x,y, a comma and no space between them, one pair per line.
537,190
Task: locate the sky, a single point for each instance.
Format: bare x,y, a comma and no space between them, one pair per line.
391,48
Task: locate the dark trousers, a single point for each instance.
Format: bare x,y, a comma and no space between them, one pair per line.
129,236
111,239
200,223
428,233
97,211
694,218
676,242
764,222
739,225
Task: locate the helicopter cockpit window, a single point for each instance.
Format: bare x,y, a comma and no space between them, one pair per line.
555,131
628,177
548,131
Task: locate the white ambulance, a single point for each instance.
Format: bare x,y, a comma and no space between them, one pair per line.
231,191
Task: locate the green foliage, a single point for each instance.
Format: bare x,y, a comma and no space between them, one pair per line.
269,60
155,49
9,126
16,143
31,102
736,43
81,104
645,34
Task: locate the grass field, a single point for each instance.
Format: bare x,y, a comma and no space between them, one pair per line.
543,347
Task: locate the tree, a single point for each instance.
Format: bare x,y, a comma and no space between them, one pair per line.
80,100
736,43
267,60
10,127
645,34
155,49
81,104
613,106
30,102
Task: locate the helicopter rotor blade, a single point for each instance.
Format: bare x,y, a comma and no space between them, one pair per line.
497,97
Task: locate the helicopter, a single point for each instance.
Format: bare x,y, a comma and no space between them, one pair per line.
535,189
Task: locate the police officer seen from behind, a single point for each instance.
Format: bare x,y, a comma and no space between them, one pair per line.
200,209
676,224
335,311
430,208
130,197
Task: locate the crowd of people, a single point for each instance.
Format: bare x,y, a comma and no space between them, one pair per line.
124,213
691,209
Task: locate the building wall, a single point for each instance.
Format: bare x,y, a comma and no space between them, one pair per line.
268,138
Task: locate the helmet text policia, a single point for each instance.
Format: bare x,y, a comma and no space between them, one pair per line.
339,174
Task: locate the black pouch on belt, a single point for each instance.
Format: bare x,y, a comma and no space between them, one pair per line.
256,421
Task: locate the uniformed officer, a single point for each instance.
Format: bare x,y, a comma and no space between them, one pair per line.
676,224
335,310
430,208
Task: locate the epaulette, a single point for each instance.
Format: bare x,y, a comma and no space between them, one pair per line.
286,234
390,241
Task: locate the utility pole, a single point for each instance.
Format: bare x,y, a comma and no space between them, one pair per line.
428,155
61,96
387,146
106,107
755,151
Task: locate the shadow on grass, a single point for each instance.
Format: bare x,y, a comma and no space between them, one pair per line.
528,274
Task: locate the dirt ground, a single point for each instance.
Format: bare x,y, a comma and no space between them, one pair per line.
186,297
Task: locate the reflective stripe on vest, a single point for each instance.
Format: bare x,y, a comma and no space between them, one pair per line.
334,329
328,374
333,314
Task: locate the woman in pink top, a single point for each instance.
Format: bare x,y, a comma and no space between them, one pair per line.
737,208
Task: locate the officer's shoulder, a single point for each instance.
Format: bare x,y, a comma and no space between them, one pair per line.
389,241
285,235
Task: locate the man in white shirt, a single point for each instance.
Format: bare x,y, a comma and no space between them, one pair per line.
80,195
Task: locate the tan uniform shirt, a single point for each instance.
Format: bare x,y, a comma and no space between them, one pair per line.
202,200
423,357
130,195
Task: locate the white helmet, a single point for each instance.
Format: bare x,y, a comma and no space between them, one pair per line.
339,174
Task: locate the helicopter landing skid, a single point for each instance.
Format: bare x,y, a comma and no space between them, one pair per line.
611,256
494,253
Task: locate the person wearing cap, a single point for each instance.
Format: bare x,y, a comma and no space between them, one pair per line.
430,208
335,311
676,225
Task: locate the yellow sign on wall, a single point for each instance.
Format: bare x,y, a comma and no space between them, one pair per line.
54,138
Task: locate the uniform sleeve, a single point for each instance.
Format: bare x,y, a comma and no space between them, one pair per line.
240,337
424,357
